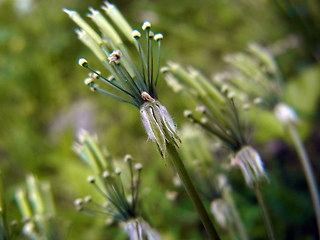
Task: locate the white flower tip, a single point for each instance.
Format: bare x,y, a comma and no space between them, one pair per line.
127,158
83,134
146,25
257,100
171,195
138,166
201,109
105,174
158,36
78,202
224,88
117,171
68,11
285,114
231,95
91,179
136,34
146,97
87,81
82,62
108,5
151,34
164,69
93,12
87,199
115,56
187,113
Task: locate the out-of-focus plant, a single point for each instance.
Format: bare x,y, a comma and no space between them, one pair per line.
206,159
219,113
257,76
36,206
121,200
136,85
8,230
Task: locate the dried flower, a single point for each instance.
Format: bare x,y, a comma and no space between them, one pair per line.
108,180
250,164
132,84
37,209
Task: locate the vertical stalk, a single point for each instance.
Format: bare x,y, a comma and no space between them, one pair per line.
307,169
237,219
192,192
264,211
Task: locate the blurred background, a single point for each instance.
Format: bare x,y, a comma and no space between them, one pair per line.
44,104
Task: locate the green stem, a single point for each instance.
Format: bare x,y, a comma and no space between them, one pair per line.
264,210
305,162
192,192
226,193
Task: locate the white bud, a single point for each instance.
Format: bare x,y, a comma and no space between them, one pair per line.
171,195
136,34
91,179
117,171
187,113
87,81
82,62
138,166
105,174
146,25
87,199
158,36
285,114
78,202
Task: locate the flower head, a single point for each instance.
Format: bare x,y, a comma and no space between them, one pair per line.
128,82
250,164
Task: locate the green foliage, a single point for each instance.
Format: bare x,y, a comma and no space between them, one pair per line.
43,104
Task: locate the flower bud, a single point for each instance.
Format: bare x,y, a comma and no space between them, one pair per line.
285,114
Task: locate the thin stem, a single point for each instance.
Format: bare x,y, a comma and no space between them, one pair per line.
308,172
264,210
192,192
237,219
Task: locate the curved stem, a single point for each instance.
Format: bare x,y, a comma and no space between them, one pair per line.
192,192
264,210
307,169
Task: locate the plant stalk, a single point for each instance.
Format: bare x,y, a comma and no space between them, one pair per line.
308,172
192,192
264,211
226,193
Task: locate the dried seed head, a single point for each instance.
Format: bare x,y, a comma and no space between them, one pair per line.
159,125
250,164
